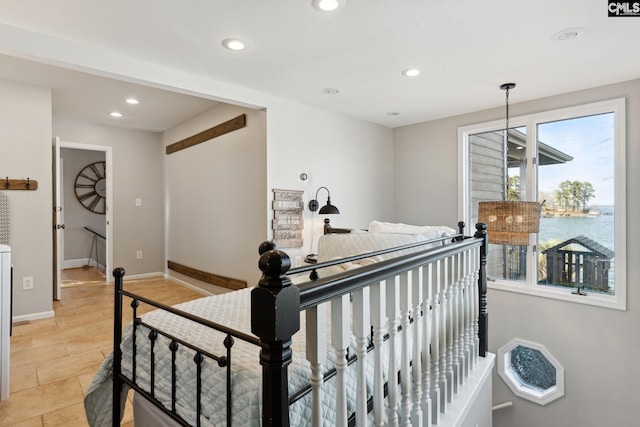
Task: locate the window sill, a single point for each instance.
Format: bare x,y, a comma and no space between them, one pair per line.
614,302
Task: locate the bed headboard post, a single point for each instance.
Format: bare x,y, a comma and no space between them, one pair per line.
275,317
118,275
327,226
483,316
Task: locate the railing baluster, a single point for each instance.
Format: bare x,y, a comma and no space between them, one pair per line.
378,322
449,261
464,348
316,355
427,320
340,333
435,346
392,317
475,306
459,328
405,356
416,366
457,312
361,329
444,312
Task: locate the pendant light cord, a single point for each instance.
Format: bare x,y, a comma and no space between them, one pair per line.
506,87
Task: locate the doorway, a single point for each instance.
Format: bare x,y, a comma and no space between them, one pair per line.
83,219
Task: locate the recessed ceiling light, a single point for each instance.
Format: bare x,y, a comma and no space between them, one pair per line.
233,44
568,34
331,91
411,72
132,101
115,114
327,5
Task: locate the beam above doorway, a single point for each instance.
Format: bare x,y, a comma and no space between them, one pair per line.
218,130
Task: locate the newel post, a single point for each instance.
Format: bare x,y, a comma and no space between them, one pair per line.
275,317
483,316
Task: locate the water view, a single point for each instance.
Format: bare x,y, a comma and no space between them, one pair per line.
561,228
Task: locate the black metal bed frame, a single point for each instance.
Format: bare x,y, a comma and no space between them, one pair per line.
275,316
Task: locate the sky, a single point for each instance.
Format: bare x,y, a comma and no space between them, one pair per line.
590,141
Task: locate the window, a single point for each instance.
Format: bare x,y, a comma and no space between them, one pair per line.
530,371
571,161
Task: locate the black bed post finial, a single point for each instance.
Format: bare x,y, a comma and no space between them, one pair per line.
275,317
461,226
483,316
327,225
118,275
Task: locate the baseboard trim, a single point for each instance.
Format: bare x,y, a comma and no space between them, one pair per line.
33,316
79,263
143,276
188,285
169,277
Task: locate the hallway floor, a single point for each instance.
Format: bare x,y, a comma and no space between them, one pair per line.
54,360
81,276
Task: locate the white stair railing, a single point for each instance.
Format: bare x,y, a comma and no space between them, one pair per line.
428,316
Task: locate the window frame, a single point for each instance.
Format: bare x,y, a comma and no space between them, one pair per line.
530,121
505,371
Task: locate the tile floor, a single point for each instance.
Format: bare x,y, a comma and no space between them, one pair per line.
53,360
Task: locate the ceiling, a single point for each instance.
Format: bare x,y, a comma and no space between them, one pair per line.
464,49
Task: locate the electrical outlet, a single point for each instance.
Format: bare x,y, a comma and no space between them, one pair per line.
27,283
138,201
139,255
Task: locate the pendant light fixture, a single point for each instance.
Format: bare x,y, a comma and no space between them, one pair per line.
509,222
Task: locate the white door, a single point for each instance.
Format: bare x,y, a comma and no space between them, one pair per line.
58,224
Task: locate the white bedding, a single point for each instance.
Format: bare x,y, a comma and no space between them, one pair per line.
233,310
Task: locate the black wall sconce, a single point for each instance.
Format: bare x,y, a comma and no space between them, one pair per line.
327,209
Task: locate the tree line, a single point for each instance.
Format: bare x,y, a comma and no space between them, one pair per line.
572,195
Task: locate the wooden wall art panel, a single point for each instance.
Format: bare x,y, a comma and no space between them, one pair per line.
287,218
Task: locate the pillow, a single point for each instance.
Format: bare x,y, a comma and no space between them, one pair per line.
357,231
429,231
360,263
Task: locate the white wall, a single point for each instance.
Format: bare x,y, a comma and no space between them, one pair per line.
598,347
25,152
352,158
77,240
220,192
215,193
137,173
